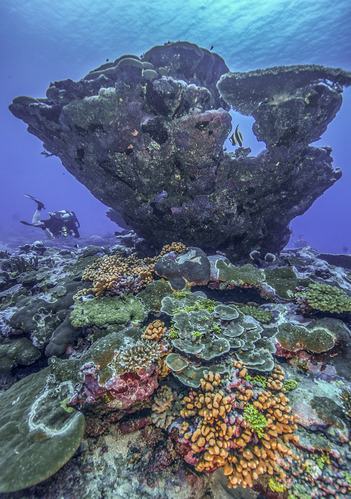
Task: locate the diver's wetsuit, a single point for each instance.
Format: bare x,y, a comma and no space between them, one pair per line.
59,224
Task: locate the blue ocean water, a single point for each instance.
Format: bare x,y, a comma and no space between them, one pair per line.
45,41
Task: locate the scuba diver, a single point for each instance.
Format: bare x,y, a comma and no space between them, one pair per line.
59,224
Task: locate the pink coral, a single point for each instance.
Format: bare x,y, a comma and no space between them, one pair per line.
118,391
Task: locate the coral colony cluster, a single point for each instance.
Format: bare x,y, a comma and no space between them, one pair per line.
245,432
203,371
116,275
166,372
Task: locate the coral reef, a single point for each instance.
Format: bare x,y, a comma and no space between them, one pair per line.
257,313
275,283
189,269
125,284
318,336
210,330
275,380
145,135
35,304
255,420
139,356
107,311
41,315
244,275
153,293
346,399
191,382
118,371
35,425
17,351
106,272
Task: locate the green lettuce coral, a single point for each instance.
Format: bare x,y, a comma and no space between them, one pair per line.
208,330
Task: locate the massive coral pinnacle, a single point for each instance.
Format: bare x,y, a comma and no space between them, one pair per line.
145,136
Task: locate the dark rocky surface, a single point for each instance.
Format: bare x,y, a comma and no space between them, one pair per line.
145,136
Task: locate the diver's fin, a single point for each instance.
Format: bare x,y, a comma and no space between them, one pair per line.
26,223
39,203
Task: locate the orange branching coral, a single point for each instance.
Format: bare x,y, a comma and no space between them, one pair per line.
212,433
261,454
154,331
175,246
247,432
276,380
105,271
161,414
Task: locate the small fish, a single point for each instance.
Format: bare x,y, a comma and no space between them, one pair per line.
129,149
76,246
160,196
46,154
211,47
237,138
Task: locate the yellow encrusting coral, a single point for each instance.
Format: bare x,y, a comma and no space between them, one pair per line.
105,271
